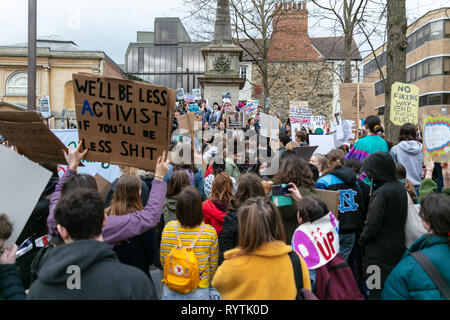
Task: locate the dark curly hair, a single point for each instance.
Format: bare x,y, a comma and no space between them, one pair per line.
294,169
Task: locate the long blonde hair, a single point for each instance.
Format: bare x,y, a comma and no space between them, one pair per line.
126,197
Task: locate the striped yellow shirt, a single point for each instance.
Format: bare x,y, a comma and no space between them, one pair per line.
206,249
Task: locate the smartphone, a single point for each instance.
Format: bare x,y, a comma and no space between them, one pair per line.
281,190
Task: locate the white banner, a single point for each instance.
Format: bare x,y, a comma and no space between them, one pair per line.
21,183
108,171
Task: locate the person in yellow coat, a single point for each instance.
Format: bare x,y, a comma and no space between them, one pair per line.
260,267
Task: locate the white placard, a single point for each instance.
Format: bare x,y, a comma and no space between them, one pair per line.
45,107
21,184
108,171
326,143
269,126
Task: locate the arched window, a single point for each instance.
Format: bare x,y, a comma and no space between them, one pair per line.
17,84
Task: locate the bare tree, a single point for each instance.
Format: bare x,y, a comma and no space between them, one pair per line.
395,59
347,14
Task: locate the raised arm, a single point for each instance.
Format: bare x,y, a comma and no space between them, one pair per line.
73,158
123,227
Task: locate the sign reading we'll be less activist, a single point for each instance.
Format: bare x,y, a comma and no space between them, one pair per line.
121,121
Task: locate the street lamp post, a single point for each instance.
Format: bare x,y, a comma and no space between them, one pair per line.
32,35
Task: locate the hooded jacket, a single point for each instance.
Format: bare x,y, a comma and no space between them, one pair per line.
383,234
102,276
264,274
352,202
169,209
213,215
408,280
410,155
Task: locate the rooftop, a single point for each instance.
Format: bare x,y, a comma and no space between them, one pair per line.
53,42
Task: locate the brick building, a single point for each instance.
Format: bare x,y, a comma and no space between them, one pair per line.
301,67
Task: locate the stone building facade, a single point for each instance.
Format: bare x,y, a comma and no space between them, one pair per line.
57,59
294,81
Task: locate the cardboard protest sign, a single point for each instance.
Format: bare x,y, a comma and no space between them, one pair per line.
269,126
122,121
235,120
189,98
250,109
189,122
26,131
226,97
294,128
305,152
317,242
331,199
45,107
180,94
229,108
197,93
348,100
319,122
436,139
404,104
69,138
299,112
103,186
21,183
325,143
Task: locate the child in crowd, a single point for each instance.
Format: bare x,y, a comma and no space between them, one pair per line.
10,284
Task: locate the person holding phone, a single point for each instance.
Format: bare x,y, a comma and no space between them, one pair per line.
293,169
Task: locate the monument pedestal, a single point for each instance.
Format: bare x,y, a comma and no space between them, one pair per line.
222,59
222,73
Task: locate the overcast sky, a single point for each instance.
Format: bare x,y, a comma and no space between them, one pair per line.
110,25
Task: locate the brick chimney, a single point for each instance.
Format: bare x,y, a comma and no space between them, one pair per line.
290,41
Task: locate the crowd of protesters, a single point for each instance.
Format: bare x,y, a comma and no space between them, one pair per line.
242,240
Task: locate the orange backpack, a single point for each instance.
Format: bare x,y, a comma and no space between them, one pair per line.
181,271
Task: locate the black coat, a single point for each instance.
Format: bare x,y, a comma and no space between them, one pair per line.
139,251
383,236
10,283
229,236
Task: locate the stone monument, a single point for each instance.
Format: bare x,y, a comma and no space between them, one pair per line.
222,58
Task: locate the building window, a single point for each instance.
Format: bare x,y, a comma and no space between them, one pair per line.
431,31
447,28
434,99
436,30
379,88
435,66
243,72
17,84
447,65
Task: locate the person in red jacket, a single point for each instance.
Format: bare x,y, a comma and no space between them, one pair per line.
215,208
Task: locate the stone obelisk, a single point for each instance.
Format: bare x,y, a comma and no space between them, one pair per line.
222,58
